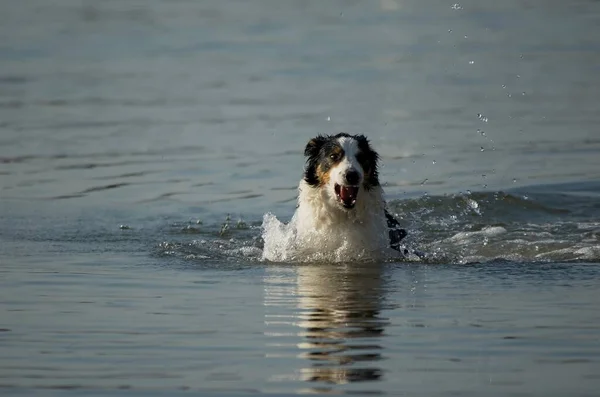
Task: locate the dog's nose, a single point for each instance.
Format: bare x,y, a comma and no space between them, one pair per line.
352,177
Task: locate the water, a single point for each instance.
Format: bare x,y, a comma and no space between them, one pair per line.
141,143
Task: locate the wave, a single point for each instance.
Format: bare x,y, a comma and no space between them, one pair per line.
541,224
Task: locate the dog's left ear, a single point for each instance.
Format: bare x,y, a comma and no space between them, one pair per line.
314,146
365,147
363,142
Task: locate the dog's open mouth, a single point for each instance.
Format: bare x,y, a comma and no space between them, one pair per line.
347,195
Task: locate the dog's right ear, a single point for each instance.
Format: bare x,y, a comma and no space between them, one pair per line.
314,146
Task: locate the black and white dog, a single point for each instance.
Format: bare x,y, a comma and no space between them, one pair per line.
341,208
341,194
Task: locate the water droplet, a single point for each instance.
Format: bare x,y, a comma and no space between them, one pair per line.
509,95
466,37
413,161
433,146
518,76
468,191
482,149
482,133
483,176
456,6
471,62
424,182
521,56
523,93
433,161
124,227
328,118
449,30
503,85
485,186
514,180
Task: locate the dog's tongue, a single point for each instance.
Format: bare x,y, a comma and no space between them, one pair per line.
348,194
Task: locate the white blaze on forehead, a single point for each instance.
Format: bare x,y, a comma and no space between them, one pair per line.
350,147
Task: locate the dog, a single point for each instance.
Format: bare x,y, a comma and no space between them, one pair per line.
341,208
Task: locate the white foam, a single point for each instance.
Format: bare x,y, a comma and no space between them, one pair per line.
248,252
485,232
589,253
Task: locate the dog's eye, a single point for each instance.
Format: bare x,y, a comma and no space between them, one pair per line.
334,156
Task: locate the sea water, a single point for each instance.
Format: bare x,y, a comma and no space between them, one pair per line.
141,144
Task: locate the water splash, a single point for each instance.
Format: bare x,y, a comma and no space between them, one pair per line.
521,226
283,244
482,117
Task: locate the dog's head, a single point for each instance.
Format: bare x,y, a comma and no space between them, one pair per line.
343,164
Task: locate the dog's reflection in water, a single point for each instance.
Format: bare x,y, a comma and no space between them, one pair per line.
342,326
